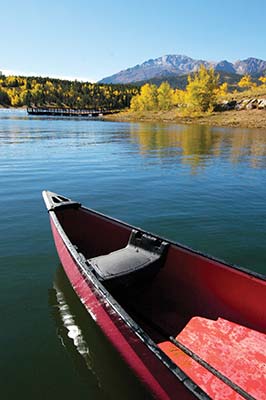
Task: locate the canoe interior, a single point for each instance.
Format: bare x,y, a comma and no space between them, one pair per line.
187,285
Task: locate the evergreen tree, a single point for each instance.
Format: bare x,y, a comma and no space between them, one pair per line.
4,98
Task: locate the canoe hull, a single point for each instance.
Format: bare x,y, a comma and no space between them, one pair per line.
159,380
138,320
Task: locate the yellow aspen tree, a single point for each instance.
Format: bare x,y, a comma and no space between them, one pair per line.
165,96
148,96
146,100
136,104
178,97
262,79
201,90
246,82
222,90
15,100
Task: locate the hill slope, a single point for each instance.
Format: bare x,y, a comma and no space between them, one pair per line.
180,81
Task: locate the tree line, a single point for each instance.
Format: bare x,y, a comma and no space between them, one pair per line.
18,91
201,94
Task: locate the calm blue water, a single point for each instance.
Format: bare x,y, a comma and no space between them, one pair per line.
204,187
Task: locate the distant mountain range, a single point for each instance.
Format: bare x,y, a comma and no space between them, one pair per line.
177,65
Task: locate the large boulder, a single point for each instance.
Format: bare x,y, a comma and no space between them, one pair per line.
241,105
245,104
262,104
253,103
225,105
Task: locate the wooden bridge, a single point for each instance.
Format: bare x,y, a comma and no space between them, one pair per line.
68,112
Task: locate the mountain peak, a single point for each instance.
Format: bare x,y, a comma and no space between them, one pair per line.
177,64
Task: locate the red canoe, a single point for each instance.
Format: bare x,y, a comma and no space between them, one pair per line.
189,326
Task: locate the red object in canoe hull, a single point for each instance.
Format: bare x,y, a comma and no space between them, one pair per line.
199,286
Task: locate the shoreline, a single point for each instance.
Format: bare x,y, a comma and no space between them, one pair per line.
251,119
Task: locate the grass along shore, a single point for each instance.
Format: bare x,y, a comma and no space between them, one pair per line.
244,118
204,101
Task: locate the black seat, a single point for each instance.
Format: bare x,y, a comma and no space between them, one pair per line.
143,255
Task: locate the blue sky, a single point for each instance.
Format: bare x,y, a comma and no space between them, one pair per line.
89,40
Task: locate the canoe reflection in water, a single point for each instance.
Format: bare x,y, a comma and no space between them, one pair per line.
95,360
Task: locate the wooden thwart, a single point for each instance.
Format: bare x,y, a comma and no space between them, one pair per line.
212,353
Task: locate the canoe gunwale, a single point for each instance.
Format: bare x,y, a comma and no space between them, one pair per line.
247,271
50,207
106,298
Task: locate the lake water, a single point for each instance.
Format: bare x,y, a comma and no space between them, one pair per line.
204,187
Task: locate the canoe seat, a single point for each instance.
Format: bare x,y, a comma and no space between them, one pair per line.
143,255
237,352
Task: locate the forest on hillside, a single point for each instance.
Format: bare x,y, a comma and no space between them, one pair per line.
18,91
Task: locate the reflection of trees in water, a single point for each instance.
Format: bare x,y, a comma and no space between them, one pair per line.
197,142
196,145
251,144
